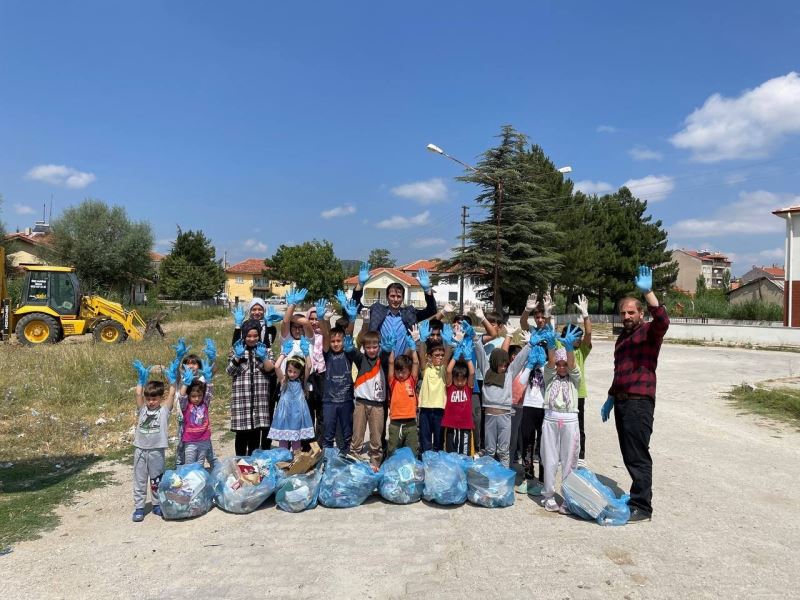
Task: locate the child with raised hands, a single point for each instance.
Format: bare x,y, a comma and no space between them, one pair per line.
194,401
499,372
433,392
560,432
457,421
249,365
529,391
150,439
292,421
193,362
295,325
403,375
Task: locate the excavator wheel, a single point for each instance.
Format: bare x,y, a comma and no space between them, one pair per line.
35,328
109,332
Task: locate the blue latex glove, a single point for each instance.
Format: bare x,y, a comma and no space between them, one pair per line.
468,347
261,351
458,353
424,332
208,373
210,350
238,349
469,331
238,316
572,335
181,349
363,273
142,371
387,343
350,308
410,341
172,371
605,410
321,306
448,337
341,298
424,280
549,336
305,347
271,316
300,295
536,357
537,337
188,376
349,346
287,347
644,280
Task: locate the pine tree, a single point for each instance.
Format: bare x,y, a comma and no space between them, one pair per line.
190,271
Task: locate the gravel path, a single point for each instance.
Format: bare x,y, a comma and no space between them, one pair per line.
725,524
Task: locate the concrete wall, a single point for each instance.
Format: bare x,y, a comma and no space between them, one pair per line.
737,334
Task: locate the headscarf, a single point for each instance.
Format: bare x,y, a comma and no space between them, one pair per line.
255,301
493,376
560,355
248,325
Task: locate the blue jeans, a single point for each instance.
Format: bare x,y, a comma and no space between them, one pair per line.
341,413
430,429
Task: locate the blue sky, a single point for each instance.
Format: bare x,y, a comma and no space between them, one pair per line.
264,124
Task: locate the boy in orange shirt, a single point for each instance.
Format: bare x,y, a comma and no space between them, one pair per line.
403,375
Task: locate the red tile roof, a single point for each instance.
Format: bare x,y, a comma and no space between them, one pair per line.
705,255
420,264
45,239
396,273
774,271
156,256
249,266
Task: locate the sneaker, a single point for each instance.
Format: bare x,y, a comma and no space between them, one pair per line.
157,511
138,515
551,505
522,488
581,463
564,510
534,487
638,515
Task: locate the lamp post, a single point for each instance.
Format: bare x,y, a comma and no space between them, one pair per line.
498,199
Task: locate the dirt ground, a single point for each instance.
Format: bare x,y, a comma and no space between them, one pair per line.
725,524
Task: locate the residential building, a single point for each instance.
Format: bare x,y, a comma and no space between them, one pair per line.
379,280
693,263
763,289
445,283
246,280
29,248
774,272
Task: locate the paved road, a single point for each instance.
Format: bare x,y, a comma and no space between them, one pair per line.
725,523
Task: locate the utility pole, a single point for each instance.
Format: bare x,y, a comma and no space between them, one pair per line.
464,214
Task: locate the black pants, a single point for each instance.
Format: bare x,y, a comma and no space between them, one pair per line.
532,420
582,451
314,399
633,416
459,441
338,415
516,438
249,440
430,429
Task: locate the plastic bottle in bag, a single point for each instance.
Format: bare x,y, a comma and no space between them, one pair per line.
299,492
345,482
185,492
489,483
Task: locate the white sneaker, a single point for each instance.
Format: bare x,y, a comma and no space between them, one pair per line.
551,505
581,463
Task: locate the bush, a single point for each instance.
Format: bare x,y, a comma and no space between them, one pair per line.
756,310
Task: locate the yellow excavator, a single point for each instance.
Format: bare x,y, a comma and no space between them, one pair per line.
52,308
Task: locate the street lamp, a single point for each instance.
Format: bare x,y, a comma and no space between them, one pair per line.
498,194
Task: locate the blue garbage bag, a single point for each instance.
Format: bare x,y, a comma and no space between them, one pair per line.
345,482
585,496
402,477
186,492
489,483
275,456
445,478
297,493
243,483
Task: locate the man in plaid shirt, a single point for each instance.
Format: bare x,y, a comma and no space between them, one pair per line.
633,392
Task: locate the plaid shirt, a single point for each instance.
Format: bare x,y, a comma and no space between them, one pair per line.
249,393
636,356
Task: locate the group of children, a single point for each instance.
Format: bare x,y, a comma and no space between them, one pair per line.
408,378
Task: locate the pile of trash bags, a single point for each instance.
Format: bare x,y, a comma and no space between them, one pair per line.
345,483
445,477
587,497
297,493
402,478
243,483
186,492
489,483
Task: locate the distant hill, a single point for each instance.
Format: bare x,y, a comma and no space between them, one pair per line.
350,267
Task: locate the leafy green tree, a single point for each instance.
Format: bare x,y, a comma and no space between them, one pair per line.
350,267
700,286
312,265
726,280
517,231
191,271
109,251
381,257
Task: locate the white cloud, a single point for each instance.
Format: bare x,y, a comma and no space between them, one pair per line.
590,187
751,214
651,187
338,211
423,192
23,209
641,153
735,178
606,129
747,126
61,175
428,242
255,245
398,222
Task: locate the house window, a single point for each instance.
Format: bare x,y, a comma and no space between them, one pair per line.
239,279
452,296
